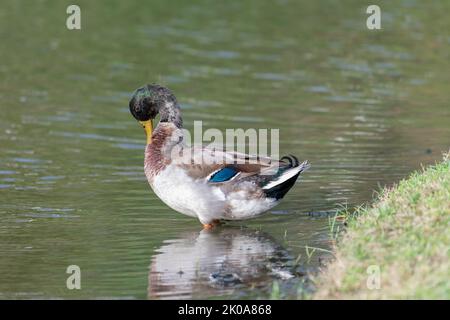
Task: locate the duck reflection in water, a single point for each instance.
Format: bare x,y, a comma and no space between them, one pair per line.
215,262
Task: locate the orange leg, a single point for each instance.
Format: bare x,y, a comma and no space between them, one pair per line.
211,225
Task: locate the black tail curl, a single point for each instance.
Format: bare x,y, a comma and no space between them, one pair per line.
293,160
278,191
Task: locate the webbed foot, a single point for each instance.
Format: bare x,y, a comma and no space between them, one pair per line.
211,225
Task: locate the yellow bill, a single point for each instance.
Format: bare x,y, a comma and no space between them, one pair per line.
148,127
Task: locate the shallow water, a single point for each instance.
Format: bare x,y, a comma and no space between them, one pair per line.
364,107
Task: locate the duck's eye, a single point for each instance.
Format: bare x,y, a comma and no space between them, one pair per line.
142,109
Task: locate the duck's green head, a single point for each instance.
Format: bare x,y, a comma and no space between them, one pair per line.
146,103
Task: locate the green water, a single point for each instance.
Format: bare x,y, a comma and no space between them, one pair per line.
364,107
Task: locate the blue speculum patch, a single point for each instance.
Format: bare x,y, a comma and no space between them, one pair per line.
223,175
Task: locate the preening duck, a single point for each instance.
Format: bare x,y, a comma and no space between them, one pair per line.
205,183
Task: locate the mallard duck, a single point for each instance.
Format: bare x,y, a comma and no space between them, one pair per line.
212,185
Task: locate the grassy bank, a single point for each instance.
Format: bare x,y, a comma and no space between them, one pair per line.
406,234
